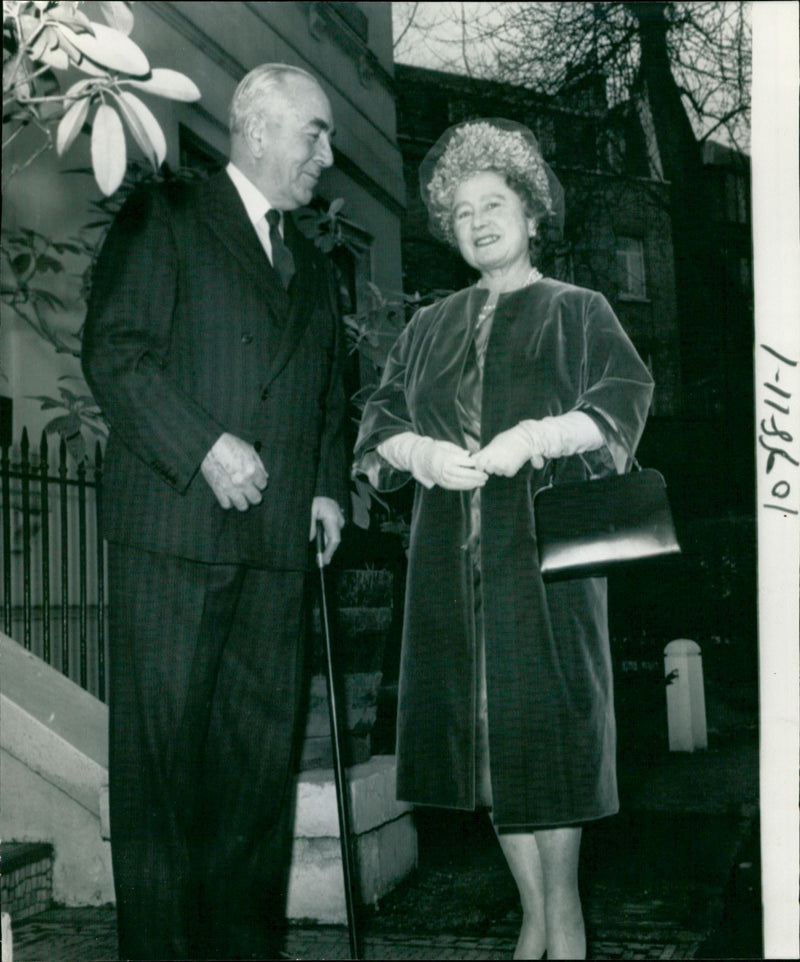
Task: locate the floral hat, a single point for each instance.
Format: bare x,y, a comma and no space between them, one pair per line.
488,144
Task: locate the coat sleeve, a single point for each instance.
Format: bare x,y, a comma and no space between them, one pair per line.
332,472
618,387
126,341
385,414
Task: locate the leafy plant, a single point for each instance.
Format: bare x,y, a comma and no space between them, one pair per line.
30,260
81,412
371,333
324,227
42,41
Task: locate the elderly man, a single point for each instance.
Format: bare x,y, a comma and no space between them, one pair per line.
213,347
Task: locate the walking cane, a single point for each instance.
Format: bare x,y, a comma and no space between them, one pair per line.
342,794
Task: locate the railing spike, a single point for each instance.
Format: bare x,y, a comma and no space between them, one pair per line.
77,545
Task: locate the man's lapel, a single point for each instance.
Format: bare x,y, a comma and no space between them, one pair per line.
226,216
303,292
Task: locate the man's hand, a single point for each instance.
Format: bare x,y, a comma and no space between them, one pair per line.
328,512
234,472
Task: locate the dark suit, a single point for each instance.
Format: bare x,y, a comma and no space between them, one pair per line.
190,334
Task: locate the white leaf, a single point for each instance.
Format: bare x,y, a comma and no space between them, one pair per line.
135,127
28,26
71,124
77,89
168,83
108,48
69,14
145,128
49,50
55,57
117,15
90,67
108,149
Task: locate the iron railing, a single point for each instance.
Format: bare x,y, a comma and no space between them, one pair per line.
53,559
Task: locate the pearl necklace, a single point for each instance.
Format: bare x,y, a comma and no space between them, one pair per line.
534,274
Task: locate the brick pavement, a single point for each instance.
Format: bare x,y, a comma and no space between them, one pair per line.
655,884
89,935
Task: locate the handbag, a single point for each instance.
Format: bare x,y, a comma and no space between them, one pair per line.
589,528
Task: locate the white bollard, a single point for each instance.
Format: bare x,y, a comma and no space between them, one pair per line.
8,944
686,700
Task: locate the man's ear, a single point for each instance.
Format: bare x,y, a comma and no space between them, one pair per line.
255,134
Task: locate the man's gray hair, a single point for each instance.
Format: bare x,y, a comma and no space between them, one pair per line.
256,86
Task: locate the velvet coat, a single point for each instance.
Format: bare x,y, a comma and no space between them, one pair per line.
553,348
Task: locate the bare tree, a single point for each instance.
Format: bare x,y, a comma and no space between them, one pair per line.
681,69
558,47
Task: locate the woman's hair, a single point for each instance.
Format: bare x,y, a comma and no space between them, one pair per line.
256,87
508,149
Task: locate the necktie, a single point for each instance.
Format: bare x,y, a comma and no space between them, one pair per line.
282,259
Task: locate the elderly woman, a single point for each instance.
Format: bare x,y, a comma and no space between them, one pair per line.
505,697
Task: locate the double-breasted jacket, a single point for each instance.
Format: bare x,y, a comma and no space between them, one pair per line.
190,334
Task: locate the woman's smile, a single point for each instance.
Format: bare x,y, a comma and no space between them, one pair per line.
490,224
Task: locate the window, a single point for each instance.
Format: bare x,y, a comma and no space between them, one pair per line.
576,142
729,195
630,267
197,154
736,207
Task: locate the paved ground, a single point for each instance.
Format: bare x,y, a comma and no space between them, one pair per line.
675,875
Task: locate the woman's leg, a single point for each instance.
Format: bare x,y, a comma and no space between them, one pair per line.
559,852
522,856
545,867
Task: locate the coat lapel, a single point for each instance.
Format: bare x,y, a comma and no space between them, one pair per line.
303,294
226,217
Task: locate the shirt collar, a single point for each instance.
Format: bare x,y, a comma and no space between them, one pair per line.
255,203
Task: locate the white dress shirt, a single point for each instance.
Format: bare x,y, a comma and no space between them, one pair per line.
256,205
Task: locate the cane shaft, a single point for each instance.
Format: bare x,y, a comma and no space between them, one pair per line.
340,776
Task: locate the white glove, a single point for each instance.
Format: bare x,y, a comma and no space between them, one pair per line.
537,441
235,472
329,514
432,462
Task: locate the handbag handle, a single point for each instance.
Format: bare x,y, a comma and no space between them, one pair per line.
550,469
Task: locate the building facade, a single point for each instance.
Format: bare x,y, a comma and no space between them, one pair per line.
617,235
51,563
348,46
618,239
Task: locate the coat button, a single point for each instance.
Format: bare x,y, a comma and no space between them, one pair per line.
247,338
265,394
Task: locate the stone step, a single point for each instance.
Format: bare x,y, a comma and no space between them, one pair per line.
26,878
360,692
384,836
385,841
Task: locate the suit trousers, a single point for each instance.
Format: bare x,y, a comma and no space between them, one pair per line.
206,697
